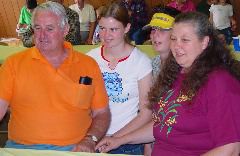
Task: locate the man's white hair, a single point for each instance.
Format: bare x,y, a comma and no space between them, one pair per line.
55,8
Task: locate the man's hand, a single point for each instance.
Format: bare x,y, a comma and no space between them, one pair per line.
100,124
86,145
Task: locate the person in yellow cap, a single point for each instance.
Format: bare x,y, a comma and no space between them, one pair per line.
161,25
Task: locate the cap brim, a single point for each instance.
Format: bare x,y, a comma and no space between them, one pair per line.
146,27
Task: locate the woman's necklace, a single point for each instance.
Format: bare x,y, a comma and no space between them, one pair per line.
112,64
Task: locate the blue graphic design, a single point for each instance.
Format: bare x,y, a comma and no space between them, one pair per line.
114,87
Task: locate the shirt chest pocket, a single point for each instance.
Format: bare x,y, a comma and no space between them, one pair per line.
74,94
83,96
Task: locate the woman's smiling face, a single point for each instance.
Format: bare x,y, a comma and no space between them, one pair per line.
185,44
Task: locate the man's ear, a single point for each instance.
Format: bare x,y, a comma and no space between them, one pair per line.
66,29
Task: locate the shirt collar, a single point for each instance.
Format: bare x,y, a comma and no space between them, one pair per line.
36,54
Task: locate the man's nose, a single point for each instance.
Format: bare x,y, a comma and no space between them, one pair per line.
42,34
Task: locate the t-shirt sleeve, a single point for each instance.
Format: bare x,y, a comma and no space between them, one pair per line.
144,66
94,53
223,108
21,16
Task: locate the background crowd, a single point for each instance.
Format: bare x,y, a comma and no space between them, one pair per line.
83,19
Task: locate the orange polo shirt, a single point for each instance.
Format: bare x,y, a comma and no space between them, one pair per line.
48,105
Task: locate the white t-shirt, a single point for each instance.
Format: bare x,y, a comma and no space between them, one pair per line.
86,15
122,86
221,15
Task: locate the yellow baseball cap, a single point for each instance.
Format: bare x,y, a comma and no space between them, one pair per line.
160,20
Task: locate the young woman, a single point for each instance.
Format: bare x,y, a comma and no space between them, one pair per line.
160,35
160,38
127,73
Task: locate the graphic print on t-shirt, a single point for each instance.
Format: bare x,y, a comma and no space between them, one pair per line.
114,87
165,112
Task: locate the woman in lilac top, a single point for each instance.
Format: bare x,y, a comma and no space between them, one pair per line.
182,5
195,99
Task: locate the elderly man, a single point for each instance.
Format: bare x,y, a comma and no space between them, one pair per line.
56,96
73,35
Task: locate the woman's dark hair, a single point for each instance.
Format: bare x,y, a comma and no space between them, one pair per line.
31,4
216,55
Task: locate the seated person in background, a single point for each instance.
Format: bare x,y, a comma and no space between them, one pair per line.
87,18
56,95
73,35
161,28
195,99
182,5
24,21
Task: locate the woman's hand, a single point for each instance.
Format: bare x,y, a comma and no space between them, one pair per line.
108,143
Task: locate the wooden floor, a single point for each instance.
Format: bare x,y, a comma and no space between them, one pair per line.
3,130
